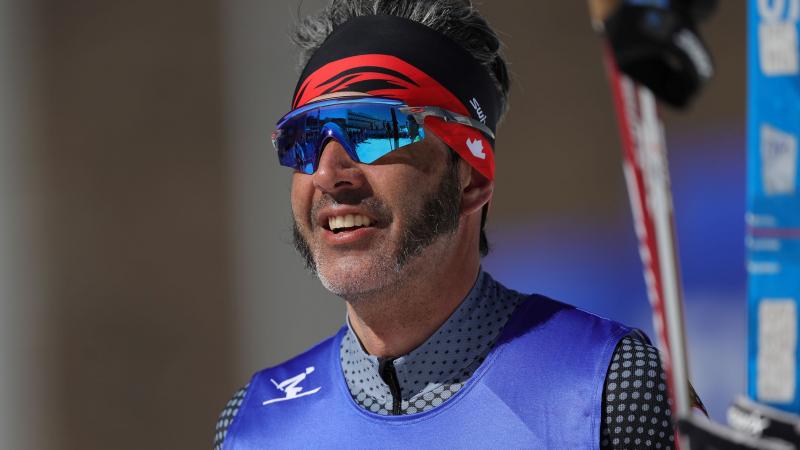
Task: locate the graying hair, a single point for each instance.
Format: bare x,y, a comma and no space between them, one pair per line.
457,19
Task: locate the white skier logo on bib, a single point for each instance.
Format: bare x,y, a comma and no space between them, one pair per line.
290,387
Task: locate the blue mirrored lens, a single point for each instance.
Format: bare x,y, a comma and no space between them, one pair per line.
367,131
296,142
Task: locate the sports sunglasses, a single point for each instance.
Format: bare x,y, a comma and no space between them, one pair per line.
367,127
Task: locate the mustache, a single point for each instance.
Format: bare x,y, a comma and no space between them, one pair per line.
372,206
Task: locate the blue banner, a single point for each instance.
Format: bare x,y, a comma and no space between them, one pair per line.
773,204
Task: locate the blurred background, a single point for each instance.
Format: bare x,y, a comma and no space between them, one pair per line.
145,261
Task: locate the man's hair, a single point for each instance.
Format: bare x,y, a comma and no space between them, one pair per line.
456,19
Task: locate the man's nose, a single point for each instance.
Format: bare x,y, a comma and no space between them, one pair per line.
336,171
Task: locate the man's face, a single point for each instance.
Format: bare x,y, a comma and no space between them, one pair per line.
410,198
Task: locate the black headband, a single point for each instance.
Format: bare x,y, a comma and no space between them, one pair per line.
431,52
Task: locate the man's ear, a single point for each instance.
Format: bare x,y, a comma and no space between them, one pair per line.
476,189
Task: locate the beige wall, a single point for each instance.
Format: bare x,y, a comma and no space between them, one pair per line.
136,222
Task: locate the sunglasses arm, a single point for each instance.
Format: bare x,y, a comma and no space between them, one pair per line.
421,112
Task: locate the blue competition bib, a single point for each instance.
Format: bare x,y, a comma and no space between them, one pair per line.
773,204
540,387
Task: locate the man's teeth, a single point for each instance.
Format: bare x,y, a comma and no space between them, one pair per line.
350,220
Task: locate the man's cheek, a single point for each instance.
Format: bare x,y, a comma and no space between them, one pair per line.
301,211
302,199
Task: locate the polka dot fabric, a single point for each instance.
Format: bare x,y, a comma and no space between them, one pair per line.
363,378
437,369
226,417
636,410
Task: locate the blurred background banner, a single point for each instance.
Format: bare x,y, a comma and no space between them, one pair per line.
145,256
773,204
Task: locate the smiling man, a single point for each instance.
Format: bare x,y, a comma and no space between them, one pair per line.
391,139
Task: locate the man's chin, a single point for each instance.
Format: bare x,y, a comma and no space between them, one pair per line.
354,276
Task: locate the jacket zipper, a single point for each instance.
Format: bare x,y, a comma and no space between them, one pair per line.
389,376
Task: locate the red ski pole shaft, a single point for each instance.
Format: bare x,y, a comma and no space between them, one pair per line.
647,177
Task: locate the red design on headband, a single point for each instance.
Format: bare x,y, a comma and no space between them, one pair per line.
390,77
